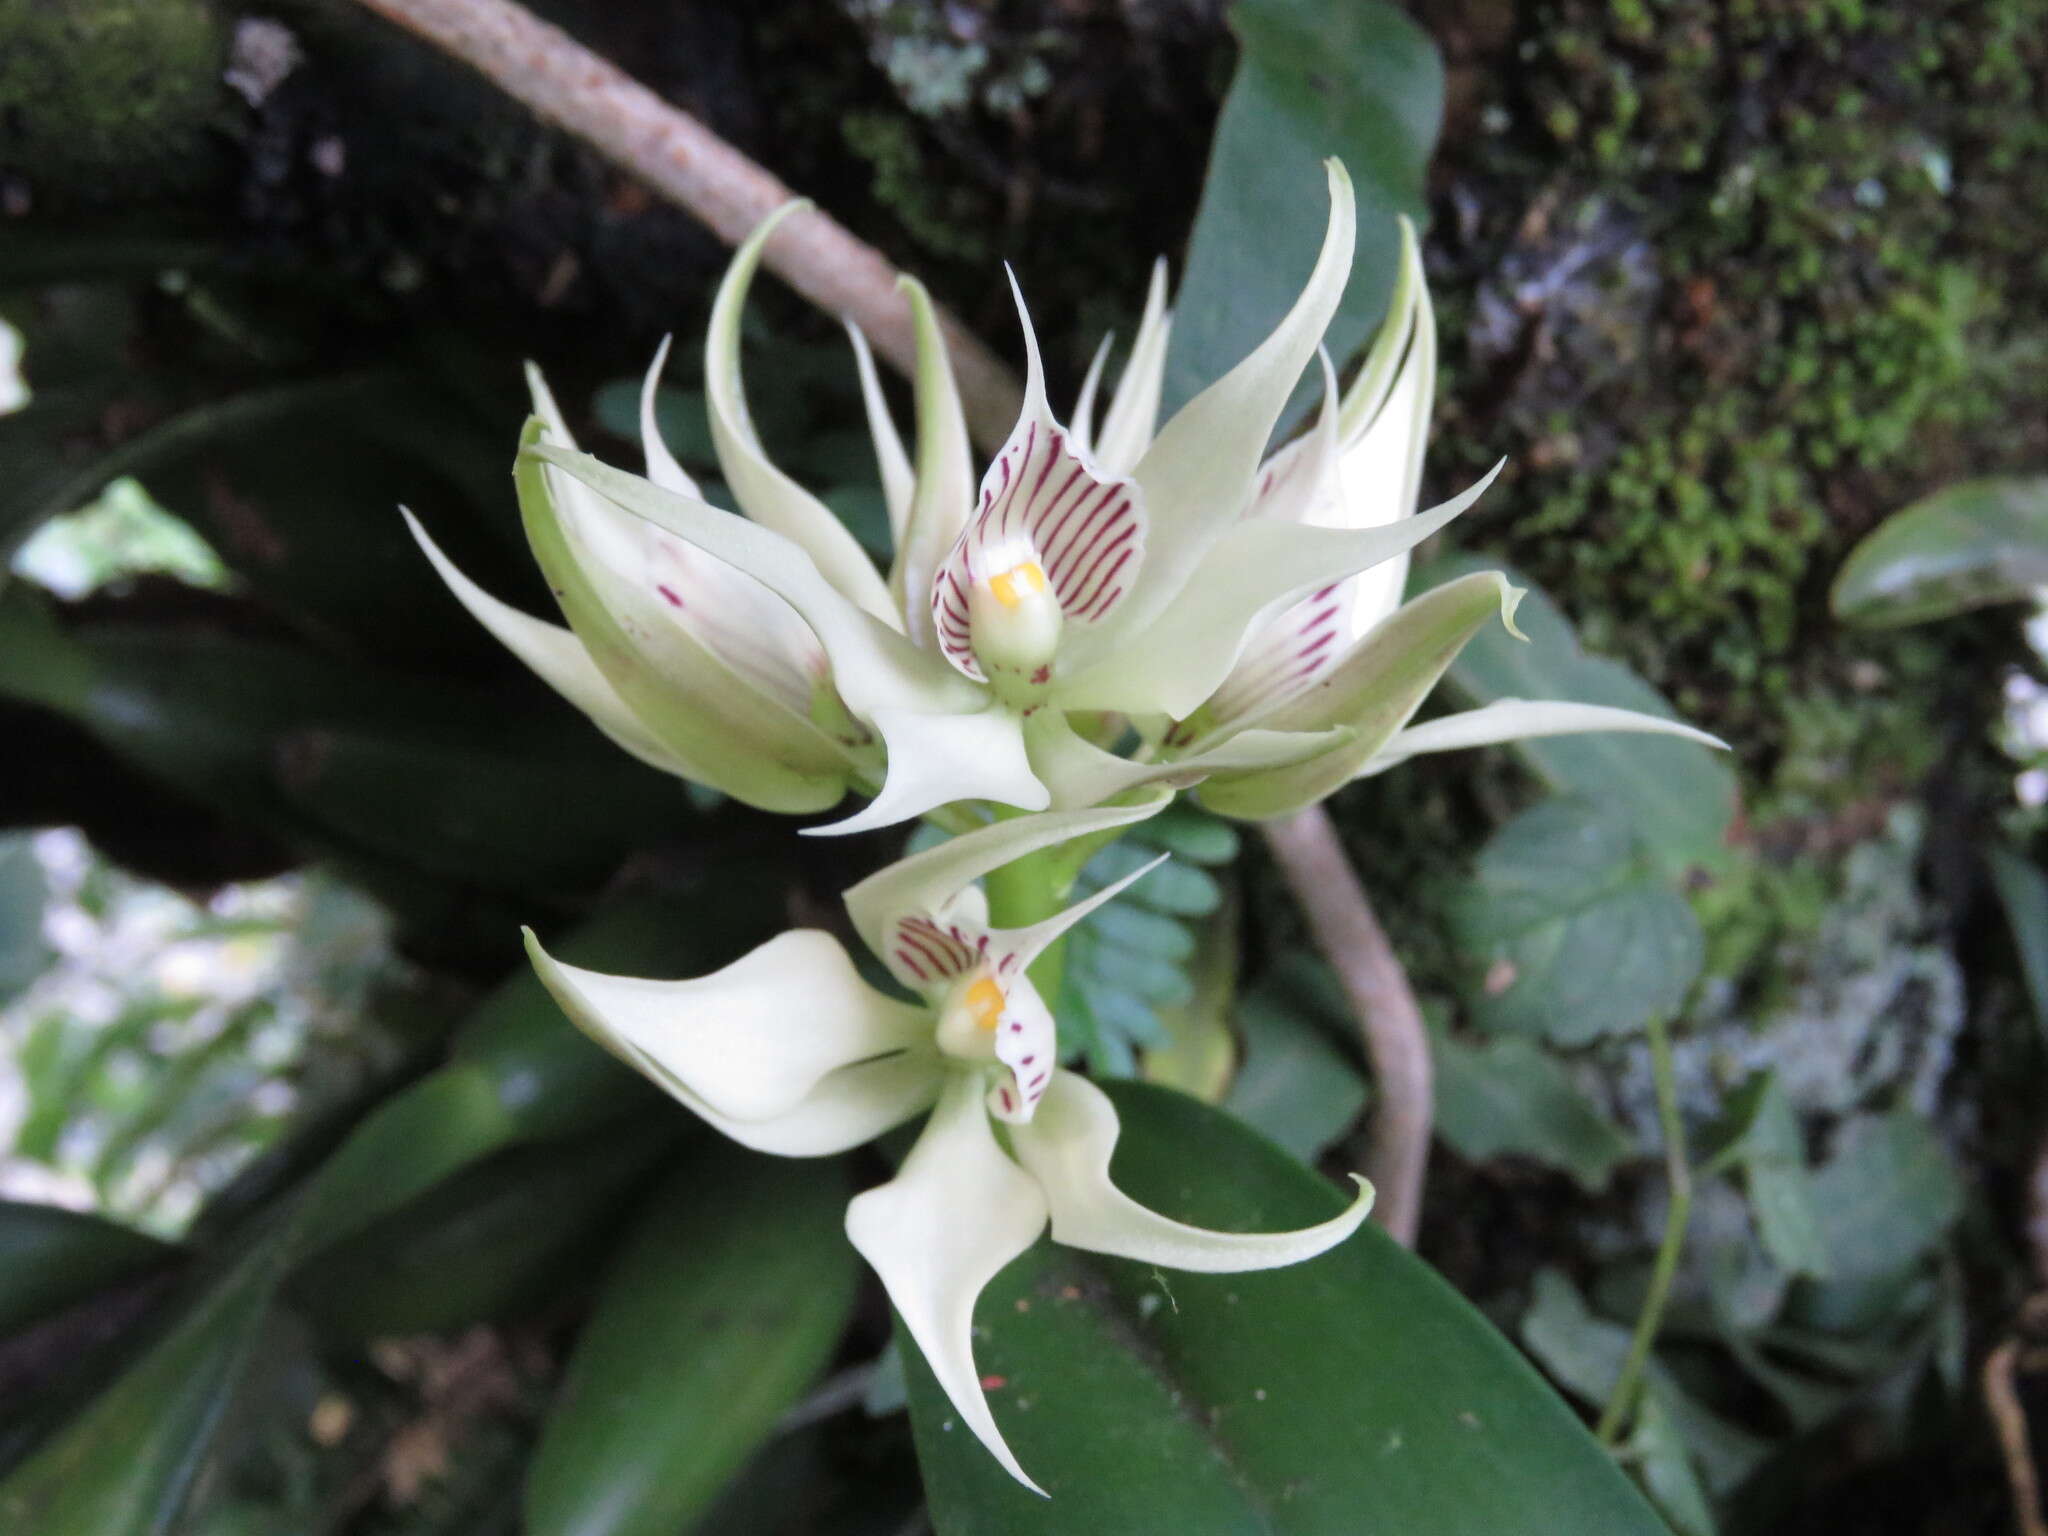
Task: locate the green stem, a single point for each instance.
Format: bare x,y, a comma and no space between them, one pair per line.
1029,890
1628,1385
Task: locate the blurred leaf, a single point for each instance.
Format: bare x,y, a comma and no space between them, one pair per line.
1584,1352
1294,1085
50,1257
1679,797
502,1235
23,954
1353,1394
1967,546
1655,1446
725,1302
1759,1133
2023,891
125,1464
1359,81
1199,1054
1886,1197
1511,1096
1569,930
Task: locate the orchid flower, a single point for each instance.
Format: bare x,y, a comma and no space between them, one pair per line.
1348,657
788,1051
1060,599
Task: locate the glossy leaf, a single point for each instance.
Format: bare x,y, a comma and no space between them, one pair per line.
125,1465
1679,797
1569,931
1354,1394
49,1257
503,1235
723,1304
1967,546
1511,1096
1360,81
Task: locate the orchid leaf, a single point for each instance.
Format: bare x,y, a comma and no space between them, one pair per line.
1967,546
1147,1400
709,1322
1362,82
50,1256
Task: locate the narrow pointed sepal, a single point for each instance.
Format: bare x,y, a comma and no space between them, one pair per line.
942,489
764,492
662,467
753,1040
891,462
1133,414
1372,691
1507,720
938,1232
1067,1148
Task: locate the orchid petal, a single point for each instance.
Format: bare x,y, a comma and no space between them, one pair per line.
929,881
936,759
944,490
937,1233
1196,472
848,1108
1134,408
765,493
1373,690
1375,376
1067,1148
1382,467
662,467
557,657
893,462
751,1041
873,666
1081,426
1079,773
1041,503
1177,663
621,586
1300,483
1524,720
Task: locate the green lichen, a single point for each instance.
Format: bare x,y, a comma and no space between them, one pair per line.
108,98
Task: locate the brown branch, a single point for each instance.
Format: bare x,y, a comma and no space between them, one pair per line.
2009,1419
1340,918
677,156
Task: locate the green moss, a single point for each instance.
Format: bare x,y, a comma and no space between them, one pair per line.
934,209
109,98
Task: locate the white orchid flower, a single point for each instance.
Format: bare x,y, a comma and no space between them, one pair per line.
1349,657
686,662
1113,575
788,1051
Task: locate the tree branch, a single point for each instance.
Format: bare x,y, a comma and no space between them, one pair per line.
1341,920
687,163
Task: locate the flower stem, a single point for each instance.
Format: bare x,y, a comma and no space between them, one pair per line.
1628,1385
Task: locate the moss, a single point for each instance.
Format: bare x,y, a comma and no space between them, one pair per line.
109,99
934,210
1847,307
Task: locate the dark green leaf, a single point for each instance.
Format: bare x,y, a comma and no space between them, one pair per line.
126,1464
1760,1134
1359,81
49,1257
1886,1197
724,1303
1512,1096
1679,797
1569,930
1971,545
2023,891
1354,1394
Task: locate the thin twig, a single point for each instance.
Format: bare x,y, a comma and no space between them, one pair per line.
1341,920
678,157
2009,1418
1678,1169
